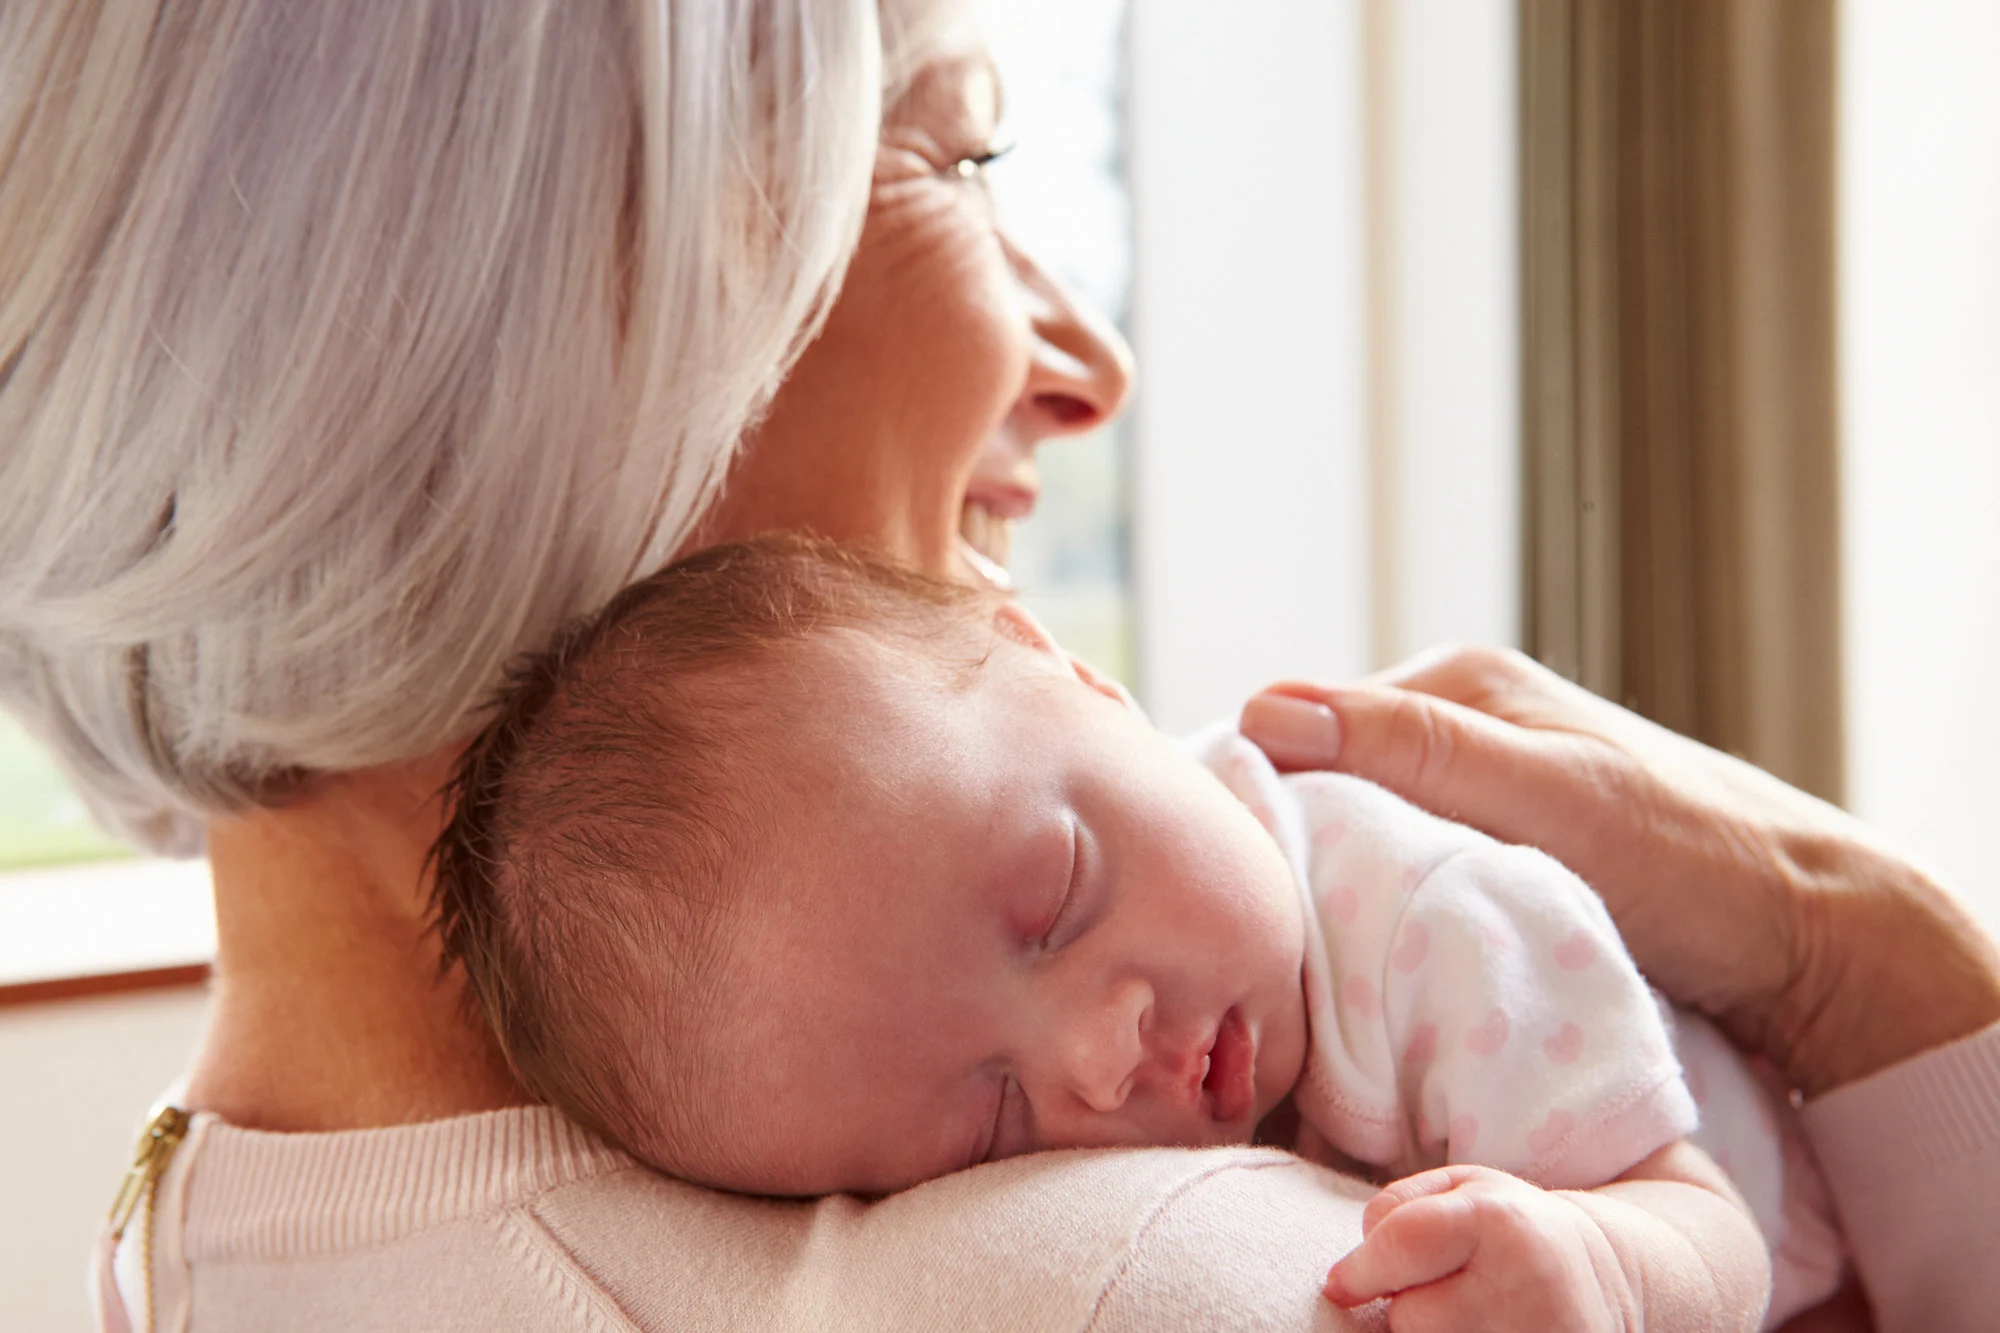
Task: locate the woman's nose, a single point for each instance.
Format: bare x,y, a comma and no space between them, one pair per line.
1081,370
1103,1048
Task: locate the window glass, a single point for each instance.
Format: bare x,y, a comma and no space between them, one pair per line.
42,822
1919,179
1061,194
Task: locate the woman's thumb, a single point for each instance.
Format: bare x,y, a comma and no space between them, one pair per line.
1442,756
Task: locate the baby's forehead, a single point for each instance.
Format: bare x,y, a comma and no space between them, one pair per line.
862,753
865,746
844,680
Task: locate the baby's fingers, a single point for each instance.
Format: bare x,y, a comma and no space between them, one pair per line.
1437,1180
1418,1242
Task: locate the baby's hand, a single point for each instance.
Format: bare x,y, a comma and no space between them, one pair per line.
1468,1247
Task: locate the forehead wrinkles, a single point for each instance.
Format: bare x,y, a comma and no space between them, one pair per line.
916,33
956,94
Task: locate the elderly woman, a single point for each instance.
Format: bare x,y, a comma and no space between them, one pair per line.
347,350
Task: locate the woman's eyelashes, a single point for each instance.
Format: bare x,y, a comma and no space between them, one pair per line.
973,165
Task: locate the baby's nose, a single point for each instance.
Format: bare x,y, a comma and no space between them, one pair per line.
1109,1048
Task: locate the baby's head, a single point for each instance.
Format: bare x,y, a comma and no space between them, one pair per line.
794,873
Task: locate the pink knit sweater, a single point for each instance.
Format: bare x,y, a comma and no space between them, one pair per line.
519,1220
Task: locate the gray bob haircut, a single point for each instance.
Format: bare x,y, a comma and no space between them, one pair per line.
349,349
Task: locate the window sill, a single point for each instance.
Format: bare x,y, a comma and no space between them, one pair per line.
95,929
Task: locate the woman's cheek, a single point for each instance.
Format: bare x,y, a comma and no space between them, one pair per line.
964,345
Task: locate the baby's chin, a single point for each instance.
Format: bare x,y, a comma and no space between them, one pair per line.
1278,1126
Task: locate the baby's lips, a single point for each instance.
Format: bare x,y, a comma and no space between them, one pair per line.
1231,1079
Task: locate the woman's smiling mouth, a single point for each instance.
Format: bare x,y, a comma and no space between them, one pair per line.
987,522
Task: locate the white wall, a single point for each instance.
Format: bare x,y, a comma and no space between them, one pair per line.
1920,199
75,1081
1248,319
1451,261
1298,363
1061,196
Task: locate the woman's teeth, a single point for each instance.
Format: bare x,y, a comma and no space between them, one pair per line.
993,575
992,537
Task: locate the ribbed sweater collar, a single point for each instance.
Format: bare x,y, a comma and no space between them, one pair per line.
252,1194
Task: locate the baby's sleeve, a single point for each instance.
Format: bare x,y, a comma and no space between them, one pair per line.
1525,1037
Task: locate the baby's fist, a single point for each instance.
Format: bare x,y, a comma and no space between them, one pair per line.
1468,1247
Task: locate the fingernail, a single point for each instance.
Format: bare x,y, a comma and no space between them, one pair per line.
1294,732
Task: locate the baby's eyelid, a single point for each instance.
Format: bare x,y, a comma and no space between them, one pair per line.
1007,1085
1069,886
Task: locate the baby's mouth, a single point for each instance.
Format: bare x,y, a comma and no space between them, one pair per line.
1229,1074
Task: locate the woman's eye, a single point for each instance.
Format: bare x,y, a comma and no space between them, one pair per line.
975,164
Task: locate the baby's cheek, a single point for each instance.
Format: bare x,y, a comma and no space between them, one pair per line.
1281,1056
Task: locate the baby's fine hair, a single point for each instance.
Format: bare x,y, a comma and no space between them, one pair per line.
611,805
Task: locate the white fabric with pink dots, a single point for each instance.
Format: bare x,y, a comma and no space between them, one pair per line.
1471,1001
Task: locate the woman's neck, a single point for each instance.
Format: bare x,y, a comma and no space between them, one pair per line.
327,1009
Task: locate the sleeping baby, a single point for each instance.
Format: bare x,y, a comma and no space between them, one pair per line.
794,873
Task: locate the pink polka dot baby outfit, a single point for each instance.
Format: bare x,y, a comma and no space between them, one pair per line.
1472,1002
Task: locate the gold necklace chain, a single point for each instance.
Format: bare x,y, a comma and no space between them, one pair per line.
162,1135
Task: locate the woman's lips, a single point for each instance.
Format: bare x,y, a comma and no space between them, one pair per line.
1230,1086
997,499
1006,500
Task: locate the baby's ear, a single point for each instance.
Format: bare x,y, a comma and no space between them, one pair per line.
1019,624
1107,686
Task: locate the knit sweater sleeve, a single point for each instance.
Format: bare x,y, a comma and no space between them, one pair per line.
518,1219
1239,1248
1912,1156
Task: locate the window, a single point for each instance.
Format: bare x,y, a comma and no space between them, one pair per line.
1061,193
42,822
1324,309
1920,353
73,904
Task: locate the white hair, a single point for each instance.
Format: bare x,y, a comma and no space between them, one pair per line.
348,349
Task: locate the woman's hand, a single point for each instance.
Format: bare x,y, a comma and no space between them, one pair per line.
1784,918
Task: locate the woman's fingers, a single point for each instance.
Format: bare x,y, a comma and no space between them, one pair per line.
1461,673
1419,1241
1294,725
1781,916
1515,688
1658,833
1512,782
1500,683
